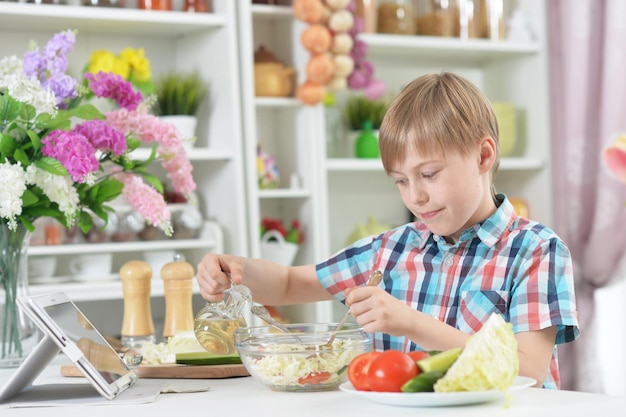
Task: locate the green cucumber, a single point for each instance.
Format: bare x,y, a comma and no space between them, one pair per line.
206,358
439,362
424,382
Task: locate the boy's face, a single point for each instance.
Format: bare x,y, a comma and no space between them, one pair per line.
448,193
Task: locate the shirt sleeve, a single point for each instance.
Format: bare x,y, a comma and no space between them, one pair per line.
348,268
544,295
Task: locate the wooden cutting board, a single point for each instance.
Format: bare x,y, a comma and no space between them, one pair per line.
176,371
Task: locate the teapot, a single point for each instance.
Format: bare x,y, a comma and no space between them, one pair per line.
271,77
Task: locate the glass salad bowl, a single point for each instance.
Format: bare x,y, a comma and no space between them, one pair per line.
298,361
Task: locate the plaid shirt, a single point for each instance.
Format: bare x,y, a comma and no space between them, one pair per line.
506,265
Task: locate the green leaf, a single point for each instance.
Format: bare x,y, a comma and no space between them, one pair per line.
34,139
109,189
44,121
20,156
86,112
51,165
85,222
133,143
29,198
28,112
8,145
153,180
10,108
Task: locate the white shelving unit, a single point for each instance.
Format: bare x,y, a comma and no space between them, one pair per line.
173,40
506,71
288,130
332,195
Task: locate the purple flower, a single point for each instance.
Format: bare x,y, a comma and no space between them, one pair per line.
113,86
34,65
57,50
49,68
64,87
73,150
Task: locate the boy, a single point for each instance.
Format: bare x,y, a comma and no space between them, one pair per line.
468,254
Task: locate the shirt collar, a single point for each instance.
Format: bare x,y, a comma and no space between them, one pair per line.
488,231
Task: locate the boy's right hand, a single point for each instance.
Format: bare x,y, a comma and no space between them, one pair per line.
216,273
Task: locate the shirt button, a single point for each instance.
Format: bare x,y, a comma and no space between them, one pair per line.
449,261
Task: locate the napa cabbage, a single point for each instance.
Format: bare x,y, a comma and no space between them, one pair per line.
488,361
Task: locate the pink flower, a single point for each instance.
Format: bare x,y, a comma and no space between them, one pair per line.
145,200
113,86
73,150
615,158
103,136
149,129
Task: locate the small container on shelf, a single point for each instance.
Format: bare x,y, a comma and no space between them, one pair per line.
164,5
198,6
396,17
48,231
105,3
435,17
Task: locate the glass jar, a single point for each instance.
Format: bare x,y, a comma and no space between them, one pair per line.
367,10
216,323
472,19
435,17
197,6
105,3
396,17
495,26
155,5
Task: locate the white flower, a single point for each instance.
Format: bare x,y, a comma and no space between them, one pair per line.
29,91
59,189
12,186
8,66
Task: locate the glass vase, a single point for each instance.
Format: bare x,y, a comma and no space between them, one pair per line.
18,335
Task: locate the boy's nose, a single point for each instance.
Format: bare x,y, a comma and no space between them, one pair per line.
418,195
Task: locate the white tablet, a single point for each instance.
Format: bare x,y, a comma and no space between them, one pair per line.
66,329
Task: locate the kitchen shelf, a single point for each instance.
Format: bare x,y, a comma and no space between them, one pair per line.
106,20
277,102
210,238
271,12
285,193
427,47
195,154
99,290
356,165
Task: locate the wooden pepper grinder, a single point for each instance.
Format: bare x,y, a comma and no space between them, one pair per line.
177,283
137,326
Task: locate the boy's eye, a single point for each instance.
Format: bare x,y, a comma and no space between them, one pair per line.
428,175
400,182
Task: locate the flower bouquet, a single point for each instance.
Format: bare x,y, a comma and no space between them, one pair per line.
61,157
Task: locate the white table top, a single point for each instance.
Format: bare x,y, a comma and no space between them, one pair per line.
245,396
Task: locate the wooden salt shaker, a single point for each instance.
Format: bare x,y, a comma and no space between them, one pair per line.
177,283
137,326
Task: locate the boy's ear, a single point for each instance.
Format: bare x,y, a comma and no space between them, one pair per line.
488,152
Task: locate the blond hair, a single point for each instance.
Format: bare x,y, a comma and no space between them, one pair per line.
435,113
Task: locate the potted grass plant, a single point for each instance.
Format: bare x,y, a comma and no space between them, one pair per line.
179,95
359,112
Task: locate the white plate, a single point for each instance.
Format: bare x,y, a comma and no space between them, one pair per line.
436,399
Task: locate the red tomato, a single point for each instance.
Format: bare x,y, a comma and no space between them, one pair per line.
416,355
357,370
390,370
314,378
